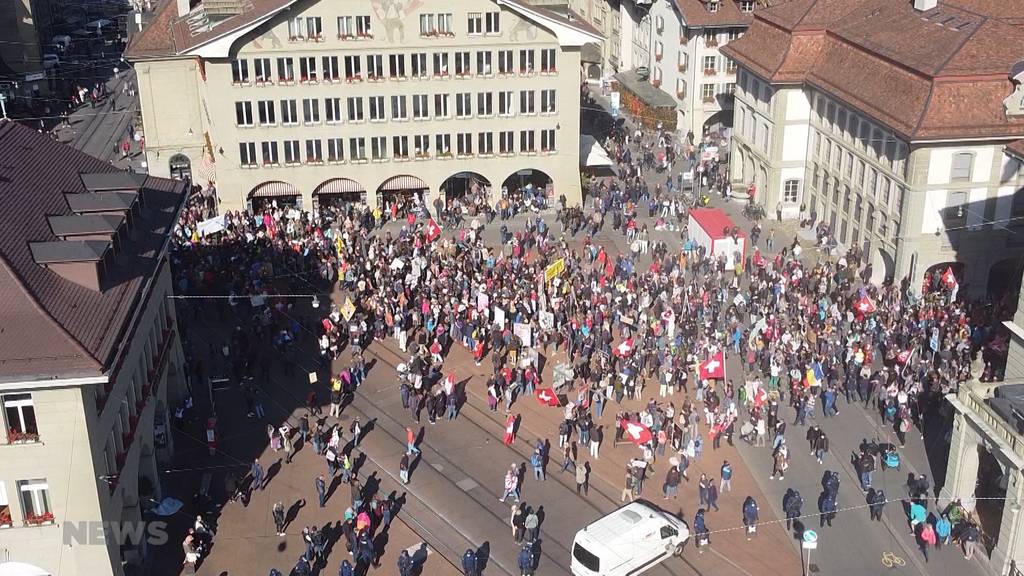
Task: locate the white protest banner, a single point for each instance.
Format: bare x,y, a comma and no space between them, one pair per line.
499,317
525,334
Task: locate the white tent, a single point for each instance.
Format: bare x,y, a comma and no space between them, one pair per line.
21,569
592,153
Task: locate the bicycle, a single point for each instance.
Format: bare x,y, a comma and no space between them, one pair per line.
890,560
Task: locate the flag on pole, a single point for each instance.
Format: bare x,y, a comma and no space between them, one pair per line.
865,305
624,349
950,282
713,368
904,357
636,432
547,397
433,230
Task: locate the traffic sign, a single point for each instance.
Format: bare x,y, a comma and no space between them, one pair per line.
810,540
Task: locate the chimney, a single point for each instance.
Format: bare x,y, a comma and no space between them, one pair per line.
919,5
184,7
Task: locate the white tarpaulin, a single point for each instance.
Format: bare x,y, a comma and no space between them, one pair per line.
211,226
592,153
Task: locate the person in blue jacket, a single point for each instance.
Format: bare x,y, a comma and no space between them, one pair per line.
526,561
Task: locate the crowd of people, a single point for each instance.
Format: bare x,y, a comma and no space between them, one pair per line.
653,323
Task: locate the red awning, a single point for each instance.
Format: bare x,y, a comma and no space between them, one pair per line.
273,189
339,186
399,183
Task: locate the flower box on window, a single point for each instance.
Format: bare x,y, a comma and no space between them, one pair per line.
39,519
682,67
5,518
548,71
346,36
449,34
430,34
374,78
17,437
422,155
443,74
364,35
444,155
317,38
295,38
709,71
355,78
730,70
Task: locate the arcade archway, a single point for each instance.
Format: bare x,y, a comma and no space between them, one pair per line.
528,185
180,167
339,193
275,193
401,194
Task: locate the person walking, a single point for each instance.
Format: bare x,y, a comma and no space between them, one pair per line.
518,523
792,503
821,447
672,480
750,515
526,566
256,471
826,509
511,484
713,494
357,430
277,511
700,528
628,486
926,538
943,529
583,479
470,565
510,429
568,458
702,490
531,523
404,564
321,489
537,461
286,444
403,468
918,515
726,472
876,502
410,442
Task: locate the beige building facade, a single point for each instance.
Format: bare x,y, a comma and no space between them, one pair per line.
367,100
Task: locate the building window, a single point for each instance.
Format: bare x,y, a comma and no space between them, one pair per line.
357,149
397,62
441,106
483,63
444,24
5,507
266,112
506,143
355,109
791,191
681,93
419,65
962,164
485,143
956,205
440,64
484,104
332,109
547,101
547,140
363,27
243,113
659,50
262,69
427,27
285,70
712,7
492,23
378,148
710,65
505,105
346,27
375,67
311,111
307,69
526,141
35,500
505,65
464,143
421,145
289,112
547,61
335,150
443,144
353,68
296,28
269,150
314,152
331,69
462,64
475,25
526,62
711,38
707,92
376,108
400,147
240,71
20,415
526,102
247,153
291,152
398,108
314,28
733,34
420,107
746,6
463,105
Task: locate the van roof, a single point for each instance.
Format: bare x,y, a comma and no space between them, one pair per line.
620,531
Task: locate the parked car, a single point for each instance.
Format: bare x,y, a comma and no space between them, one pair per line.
628,541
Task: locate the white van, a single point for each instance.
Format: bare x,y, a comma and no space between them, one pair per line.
629,541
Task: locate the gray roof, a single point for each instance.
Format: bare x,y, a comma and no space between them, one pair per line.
64,251
77,225
105,202
650,94
105,181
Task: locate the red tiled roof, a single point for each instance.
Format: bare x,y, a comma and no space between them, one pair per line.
50,326
155,39
696,14
927,75
1016,148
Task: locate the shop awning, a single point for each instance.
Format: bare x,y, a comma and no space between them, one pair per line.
592,153
644,90
339,186
399,183
273,190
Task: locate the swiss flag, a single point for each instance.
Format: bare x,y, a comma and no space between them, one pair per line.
713,368
865,305
624,349
948,278
904,357
636,432
433,230
547,397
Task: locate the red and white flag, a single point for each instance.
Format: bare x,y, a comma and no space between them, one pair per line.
636,432
949,278
547,397
713,368
865,305
433,230
624,349
904,357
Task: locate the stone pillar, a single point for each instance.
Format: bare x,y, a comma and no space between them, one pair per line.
1007,547
962,467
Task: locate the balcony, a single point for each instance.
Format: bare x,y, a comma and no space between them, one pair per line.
972,396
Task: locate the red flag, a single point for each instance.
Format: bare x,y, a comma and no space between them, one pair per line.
433,230
547,397
948,278
636,432
904,357
713,368
624,349
865,305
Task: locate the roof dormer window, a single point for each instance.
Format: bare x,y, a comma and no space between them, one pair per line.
712,6
746,6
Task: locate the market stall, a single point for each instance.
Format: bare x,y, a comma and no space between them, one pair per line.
718,235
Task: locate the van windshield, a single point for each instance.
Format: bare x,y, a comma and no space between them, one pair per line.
586,558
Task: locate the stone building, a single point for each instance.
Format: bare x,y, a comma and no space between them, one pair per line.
887,119
301,100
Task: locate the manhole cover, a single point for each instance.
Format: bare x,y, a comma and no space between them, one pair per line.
467,484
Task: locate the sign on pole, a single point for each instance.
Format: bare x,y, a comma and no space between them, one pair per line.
554,269
810,540
348,309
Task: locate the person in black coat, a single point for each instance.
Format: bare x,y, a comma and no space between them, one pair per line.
792,503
